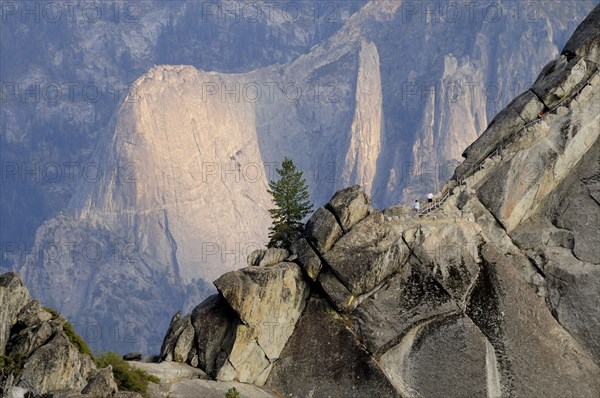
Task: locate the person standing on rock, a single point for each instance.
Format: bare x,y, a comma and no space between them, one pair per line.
430,197
416,206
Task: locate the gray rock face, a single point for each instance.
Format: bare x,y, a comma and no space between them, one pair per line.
170,372
101,385
572,287
132,356
268,257
212,320
523,334
507,122
268,300
57,365
410,298
323,230
453,344
563,78
273,256
50,362
176,329
349,206
236,335
344,368
522,110
307,257
26,341
450,250
179,380
367,255
584,41
185,341
341,298
13,296
562,239
247,361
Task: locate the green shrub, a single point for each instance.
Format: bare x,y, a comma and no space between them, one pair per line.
11,364
73,337
232,393
127,378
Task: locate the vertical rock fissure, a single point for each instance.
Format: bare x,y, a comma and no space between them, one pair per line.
483,310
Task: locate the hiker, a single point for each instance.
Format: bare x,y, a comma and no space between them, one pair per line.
416,206
430,197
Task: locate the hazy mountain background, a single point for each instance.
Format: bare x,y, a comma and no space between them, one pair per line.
119,212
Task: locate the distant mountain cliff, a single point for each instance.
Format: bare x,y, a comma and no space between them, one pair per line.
388,100
491,290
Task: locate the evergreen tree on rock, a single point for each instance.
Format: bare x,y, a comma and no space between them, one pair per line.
292,204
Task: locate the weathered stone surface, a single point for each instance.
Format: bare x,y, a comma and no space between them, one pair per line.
132,356
307,257
524,334
13,297
171,342
450,251
538,233
170,372
102,384
493,232
175,329
350,206
65,393
585,39
267,257
410,298
32,314
445,357
33,328
273,256
367,255
170,97
254,258
268,300
185,341
324,359
527,105
247,360
563,80
573,288
323,230
514,190
506,122
563,237
418,299
29,339
338,294
195,388
57,365
574,206
212,320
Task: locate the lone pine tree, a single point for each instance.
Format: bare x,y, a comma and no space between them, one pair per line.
292,204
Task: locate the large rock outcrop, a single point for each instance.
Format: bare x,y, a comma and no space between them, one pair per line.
37,355
491,292
13,297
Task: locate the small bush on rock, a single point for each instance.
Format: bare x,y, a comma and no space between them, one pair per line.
232,393
73,337
126,377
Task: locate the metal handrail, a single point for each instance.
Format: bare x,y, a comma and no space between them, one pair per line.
437,204
498,149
